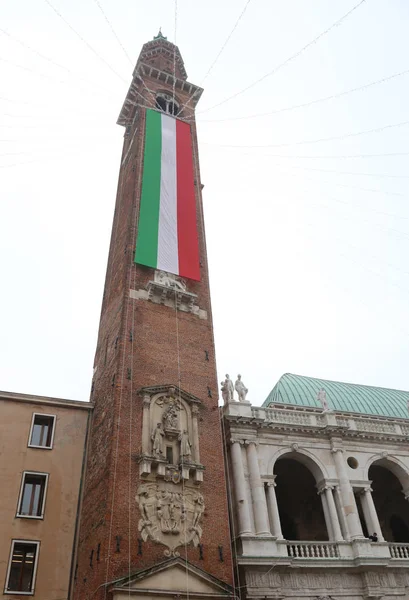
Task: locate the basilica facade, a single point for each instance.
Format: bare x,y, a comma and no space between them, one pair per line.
319,488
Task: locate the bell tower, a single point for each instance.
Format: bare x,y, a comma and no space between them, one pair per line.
154,501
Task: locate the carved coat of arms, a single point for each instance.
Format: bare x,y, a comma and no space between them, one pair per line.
169,515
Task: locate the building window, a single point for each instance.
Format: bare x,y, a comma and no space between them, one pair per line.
22,567
167,103
42,431
32,495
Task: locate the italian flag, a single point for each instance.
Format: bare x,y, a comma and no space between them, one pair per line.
167,230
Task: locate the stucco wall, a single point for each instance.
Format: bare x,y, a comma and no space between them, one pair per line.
63,463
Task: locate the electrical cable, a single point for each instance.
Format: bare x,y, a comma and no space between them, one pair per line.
52,61
352,187
113,31
52,78
209,70
84,41
125,52
358,263
311,102
335,156
65,109
217,57
380,175
292,57
319,140
174,54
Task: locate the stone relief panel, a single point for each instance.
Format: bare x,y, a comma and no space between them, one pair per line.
170,435
170,515
323,586
171,429
170,280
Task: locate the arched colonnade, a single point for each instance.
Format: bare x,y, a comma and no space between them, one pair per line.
297,500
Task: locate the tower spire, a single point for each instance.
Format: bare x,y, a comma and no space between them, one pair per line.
160,35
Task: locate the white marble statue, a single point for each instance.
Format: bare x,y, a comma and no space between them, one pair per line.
322,397
157,439
227,384
240,389
225,393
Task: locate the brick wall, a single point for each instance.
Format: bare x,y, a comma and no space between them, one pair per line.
137,339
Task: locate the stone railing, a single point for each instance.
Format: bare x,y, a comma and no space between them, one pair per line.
288,416
399,550
316,418
312,550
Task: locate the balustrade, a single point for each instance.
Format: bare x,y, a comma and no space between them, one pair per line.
312,550
399,550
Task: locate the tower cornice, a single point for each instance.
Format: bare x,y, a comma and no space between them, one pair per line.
143,72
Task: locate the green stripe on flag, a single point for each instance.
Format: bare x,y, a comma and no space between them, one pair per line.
146,252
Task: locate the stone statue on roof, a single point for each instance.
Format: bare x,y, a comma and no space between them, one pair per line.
227,390
322,397
240,389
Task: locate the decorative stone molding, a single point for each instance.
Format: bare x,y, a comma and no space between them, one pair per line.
171,291
170,436
247,442
170,515
313,422
237,441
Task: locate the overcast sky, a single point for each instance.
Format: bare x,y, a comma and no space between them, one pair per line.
308,239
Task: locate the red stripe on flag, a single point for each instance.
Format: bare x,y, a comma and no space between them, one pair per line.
188,245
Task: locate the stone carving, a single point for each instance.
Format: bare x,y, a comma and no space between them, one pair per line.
185,445
322,581
169,516
170,280
322,397
170,417
157,441
172,474
240,389
258,579
227,390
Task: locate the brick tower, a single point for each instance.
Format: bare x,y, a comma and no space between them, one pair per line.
154,505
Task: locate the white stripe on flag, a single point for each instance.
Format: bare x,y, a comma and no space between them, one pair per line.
168,259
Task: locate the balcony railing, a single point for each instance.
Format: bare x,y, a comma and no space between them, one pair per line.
399,550
315,418
312,550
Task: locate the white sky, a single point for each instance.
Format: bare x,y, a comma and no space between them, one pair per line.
308,249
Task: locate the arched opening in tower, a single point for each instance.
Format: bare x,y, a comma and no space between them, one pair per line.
299,505
390,504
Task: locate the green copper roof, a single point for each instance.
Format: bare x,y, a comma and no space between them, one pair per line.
347,397
160,35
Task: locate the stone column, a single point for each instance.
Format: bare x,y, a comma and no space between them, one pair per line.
340,513
273,513
240,492
328,523
373,516
195,434
333,514
257,491
347,496
365,510
146,433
